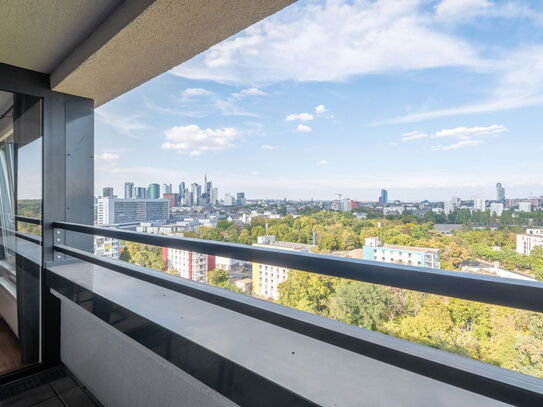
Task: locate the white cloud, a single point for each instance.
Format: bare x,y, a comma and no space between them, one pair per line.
413,135
462,9
107,157
323,162
194,92
519,84
320,109
458,145
302,128
333,41
268,147
465,133
193,140
255,173
248,92
467,136
126,125
303,117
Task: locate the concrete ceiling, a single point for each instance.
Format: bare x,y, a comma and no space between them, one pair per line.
102,48
38,35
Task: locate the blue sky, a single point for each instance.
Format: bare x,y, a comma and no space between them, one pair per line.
429,99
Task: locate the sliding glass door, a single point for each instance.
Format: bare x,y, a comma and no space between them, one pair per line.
20,230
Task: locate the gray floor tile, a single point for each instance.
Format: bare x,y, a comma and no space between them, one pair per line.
50,403
63,384
76,397
30,397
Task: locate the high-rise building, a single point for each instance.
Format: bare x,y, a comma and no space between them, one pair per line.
129,190
153,192
196,190
383,199
345,205
214,196
240,199
141,193
500,192
107,192
182,194
188,199
167,189
228,200
479,204
172,199
496,208
113,210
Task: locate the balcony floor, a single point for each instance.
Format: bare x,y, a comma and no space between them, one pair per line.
51,388
10,353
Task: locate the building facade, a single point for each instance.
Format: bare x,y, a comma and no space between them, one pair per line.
500,192
107,246
153,191
496,208
113,210
410,256
190,265
266,278
526,242
525,206
107,192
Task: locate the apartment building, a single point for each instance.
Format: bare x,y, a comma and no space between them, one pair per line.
115,210
410,256
266,278
189,265
526,242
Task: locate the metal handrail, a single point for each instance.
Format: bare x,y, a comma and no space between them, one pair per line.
491,381
508,292
28,219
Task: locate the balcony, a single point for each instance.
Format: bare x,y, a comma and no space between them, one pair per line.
126,335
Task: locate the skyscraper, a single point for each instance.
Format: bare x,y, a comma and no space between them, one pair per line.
196,190
214,196
154,191
107,192
500,192
383,199
167,189
129,190
182,194
240,199
141,193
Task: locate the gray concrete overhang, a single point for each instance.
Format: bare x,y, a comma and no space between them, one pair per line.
100,49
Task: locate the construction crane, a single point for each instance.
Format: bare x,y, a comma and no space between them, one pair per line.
338,196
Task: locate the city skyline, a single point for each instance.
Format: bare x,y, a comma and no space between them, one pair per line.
447,114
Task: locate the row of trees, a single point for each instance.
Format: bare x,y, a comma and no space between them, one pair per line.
509,338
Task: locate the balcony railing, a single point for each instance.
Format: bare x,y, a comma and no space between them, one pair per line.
478,377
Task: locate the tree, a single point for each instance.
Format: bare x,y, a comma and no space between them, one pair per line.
306,291
361,304
221,278
144,255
